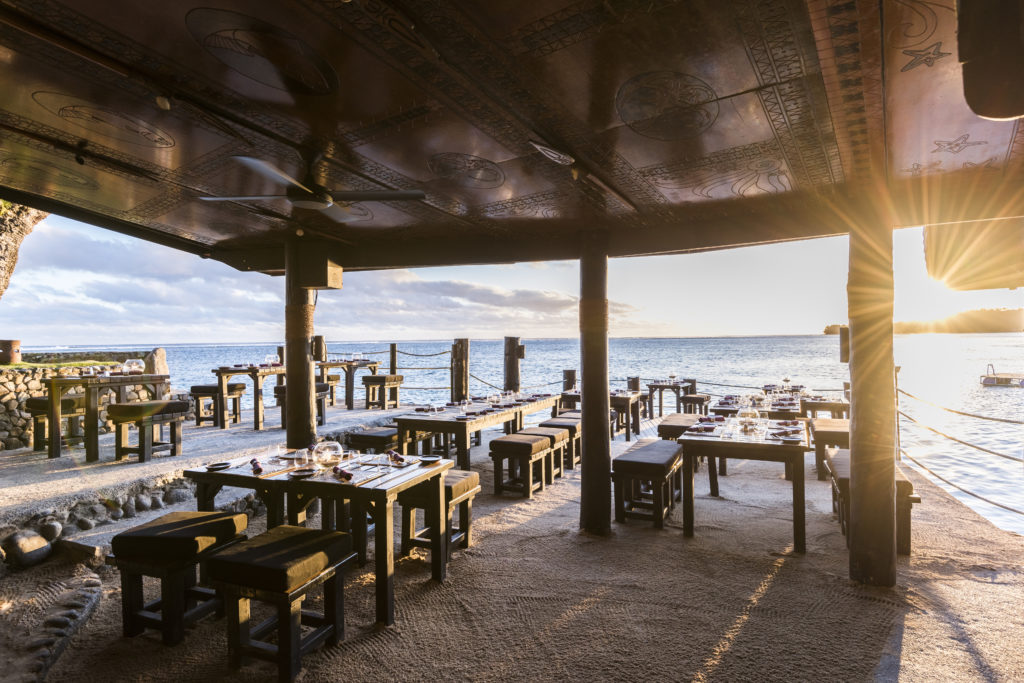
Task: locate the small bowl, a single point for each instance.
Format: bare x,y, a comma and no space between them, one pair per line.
428,460
216,466
303,473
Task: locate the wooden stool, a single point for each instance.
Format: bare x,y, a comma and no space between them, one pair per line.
675,425
558,442
382,391
527,458
695,403
321,390
280,567
460,487
146,415
573,454
202,392
71,407
654,462
169,548
333,381
373,440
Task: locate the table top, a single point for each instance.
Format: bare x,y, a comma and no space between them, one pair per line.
477,412
261,369
775,407
101,380
347,363
783,434
624,395
824,401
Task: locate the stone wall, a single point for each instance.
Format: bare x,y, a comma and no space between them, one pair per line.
19,384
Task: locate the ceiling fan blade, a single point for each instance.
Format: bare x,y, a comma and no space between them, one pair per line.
253,197
268,170
341,214
376,195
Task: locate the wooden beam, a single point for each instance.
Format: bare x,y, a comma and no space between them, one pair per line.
298,337
596,494
460,370
513,352
872,527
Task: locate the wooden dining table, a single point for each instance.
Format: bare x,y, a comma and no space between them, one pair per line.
680,388
257,373
287,498
93,386
730,441
349,367
479,415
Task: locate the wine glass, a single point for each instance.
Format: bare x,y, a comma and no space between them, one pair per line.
302,457
274,452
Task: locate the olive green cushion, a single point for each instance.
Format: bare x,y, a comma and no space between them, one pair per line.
281,559
382,379
839,466
178,536
520,444
457,483
281,390
648,460
569,424
555,435
128,412
211,389
676,424
41,404
333,379
373,438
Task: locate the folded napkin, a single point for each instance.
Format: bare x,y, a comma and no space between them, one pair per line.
782,433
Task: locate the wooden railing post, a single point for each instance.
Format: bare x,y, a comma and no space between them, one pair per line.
568,380
298,337
460,370
513,352
595,494
394,358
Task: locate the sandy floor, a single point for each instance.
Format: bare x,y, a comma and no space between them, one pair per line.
536,599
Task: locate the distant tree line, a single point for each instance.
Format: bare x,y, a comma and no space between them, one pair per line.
982,320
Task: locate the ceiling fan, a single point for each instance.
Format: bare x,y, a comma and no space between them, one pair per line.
311,195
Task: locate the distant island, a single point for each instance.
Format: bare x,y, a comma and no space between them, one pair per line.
982,320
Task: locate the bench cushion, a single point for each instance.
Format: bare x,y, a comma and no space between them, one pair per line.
650,460
695,398
555,435
178,536
839,466
281,559
569,424
382,379
211,389
125,412
832,431
520,444
319,387
41,404
375,434
459,482
676,424
333,379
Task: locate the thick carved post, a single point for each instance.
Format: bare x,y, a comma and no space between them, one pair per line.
298,339
568,379
872,407
460,370
513,352
595,497
393,358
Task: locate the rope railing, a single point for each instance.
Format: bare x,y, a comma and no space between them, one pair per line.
960,441
375,353
483,381
957,486
538,386
422,355
405,388
423,368
960,412
734,386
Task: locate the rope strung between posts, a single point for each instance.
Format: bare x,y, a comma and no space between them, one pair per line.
734,386
538,386
422,355
483,381
960,488
960,441
405,388
422,368
375,353
958,412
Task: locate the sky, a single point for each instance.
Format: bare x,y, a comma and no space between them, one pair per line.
79,284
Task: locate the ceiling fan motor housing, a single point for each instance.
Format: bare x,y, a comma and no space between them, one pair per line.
318,199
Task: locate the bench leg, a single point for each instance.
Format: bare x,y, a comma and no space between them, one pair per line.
289,634
408,528
145,428
903,527
172,607
120,437
499,472
620,500
334,607
238,612
466,522
39,433
176,437
131,602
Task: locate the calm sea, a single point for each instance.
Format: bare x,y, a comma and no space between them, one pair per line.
940,369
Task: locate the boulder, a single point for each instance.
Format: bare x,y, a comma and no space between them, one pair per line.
84,523
129,508
156,502
142,503
177,495
156,362
51,530
116,513
27,548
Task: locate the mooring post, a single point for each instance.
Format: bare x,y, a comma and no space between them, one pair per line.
298,338
460,370
568,380
393,351
872,526
513,352
595,494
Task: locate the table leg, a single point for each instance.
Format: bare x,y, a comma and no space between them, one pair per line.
350,387
384,559
799,523
437,517
629,417
221,408
53,416
92,424
205,495
257,401
713,473
274,501
688,494
679,399
636,418
462,447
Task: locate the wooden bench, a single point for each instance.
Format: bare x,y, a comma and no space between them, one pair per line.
321,389
460,487
558,442
648,481
71,407
170,548
149,418
838,464
280,567
211,392
675,425
695,403
382,391
573,454
824,432
527,457
333,381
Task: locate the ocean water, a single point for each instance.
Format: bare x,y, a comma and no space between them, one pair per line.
936,369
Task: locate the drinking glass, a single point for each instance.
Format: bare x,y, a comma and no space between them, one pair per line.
302,457
275,452
327,453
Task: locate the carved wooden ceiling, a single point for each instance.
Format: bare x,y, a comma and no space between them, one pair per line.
657,125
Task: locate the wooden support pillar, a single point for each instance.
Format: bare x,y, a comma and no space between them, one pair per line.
513,352
460,370
568,380
298,340
595,496
872,407
393,357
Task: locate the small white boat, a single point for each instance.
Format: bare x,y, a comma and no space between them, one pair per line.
991,378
